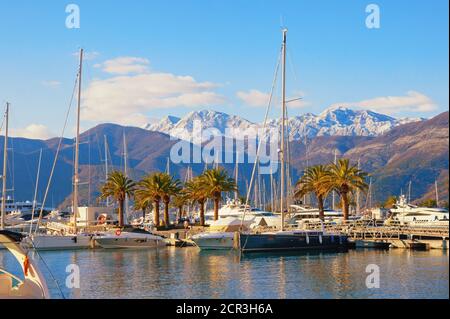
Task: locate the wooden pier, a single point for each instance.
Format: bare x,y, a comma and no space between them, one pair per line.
398,236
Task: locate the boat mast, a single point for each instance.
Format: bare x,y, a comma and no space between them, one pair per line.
236,193
272,199
283,119
5,161
437,193
35,191
358,193
168,166
409,192
77,147
333,193
125,156
106,165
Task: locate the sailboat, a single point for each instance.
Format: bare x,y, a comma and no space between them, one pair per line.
288,240
68,237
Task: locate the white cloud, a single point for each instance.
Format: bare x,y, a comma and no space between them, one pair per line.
254,98
33,131
125,99
51,84
261,99
413,101
125,65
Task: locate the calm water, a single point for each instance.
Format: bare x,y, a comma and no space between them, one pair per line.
189,273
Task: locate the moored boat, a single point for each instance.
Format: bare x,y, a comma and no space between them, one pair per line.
221,234
296,240
33,285
134,238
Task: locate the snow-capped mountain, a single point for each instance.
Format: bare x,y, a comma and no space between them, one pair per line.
333,121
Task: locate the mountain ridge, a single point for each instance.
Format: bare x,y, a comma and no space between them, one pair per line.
336,120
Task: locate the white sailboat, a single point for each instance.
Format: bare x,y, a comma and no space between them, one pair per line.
288,240
68,237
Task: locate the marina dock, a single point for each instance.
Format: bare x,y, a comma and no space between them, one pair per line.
398,236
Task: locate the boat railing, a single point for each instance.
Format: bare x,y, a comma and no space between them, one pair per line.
68,229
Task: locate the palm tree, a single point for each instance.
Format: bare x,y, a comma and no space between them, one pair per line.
315,181
179,201
151,189
217,181
171,187
118,186
142,203
345,178
196,191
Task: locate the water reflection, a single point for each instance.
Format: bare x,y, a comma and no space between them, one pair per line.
189,273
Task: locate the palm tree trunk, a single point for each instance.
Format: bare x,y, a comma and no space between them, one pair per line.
321,211
180,212
143,213
345,205
120,215
216,207
202,213
156,214
166,213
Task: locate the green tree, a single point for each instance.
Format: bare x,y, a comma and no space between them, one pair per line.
142,204
345,178
217,181
315,181
152,188
179,202
118,186
429,203
390,201
198,193
170,188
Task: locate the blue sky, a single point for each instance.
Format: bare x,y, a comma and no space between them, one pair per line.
147,59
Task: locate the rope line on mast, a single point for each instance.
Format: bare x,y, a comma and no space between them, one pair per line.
57,154
260,141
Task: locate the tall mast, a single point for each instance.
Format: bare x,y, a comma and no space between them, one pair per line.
358,193
333,193
106,165
283,119
409,192
236,192
125,157
35,191
272,199
437,193
5,167
77,147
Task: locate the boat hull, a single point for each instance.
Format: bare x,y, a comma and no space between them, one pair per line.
220,242
291,242
372,244
122,243
50,242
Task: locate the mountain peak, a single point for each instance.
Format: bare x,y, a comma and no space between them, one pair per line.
335,120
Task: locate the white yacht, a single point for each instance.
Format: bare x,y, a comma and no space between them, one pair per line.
134,238
252,216
221,234
59,242
301,214
33,285
408,214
